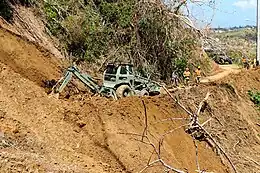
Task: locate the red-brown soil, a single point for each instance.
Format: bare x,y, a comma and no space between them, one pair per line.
42,134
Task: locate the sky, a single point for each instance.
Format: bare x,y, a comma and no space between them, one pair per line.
227,13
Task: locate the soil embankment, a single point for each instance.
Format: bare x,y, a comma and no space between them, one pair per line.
225,70
42,134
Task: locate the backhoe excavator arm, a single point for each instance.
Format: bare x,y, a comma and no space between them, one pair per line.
84,78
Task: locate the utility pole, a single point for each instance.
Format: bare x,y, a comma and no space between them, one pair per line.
258,34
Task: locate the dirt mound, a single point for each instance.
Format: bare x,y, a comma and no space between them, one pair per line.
234,117
42,134
244,81
122,121
26,60
46,134
30,26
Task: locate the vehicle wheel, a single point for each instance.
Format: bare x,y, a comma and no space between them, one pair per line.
123,91
144,92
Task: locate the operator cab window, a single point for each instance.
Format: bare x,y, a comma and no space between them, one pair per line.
111,70
123,70
130,69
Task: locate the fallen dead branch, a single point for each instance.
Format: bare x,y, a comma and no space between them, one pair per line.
202,103
177,101
252,160
145,121
220,148
203,124
156,150
234,147
197,157
195,126
164,164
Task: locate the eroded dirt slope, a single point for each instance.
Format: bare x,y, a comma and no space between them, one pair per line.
26,60
234,118
43,134
55,135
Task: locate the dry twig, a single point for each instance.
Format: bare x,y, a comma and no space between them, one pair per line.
252,160
197,157
220,148
145,121
177,101
194,125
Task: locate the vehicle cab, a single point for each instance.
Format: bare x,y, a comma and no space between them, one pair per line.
116,75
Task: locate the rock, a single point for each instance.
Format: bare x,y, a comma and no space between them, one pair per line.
81,124
2,134
15,131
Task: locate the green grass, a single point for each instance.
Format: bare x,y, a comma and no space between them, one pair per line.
254,97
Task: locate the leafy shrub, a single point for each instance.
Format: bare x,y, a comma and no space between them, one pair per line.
119,13
254,97
5,10
27,2
141,32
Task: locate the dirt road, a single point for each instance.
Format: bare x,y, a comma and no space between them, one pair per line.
226,70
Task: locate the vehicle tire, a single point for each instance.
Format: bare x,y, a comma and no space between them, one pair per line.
144,92
123,91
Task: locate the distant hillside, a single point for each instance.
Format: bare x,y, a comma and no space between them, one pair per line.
236,42
245,32
234,28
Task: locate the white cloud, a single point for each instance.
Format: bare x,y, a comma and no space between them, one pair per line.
245,3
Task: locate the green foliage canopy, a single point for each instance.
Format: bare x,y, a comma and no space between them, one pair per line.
141,32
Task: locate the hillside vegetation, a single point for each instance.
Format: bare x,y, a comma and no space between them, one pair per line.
237,42
210,127
145,33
